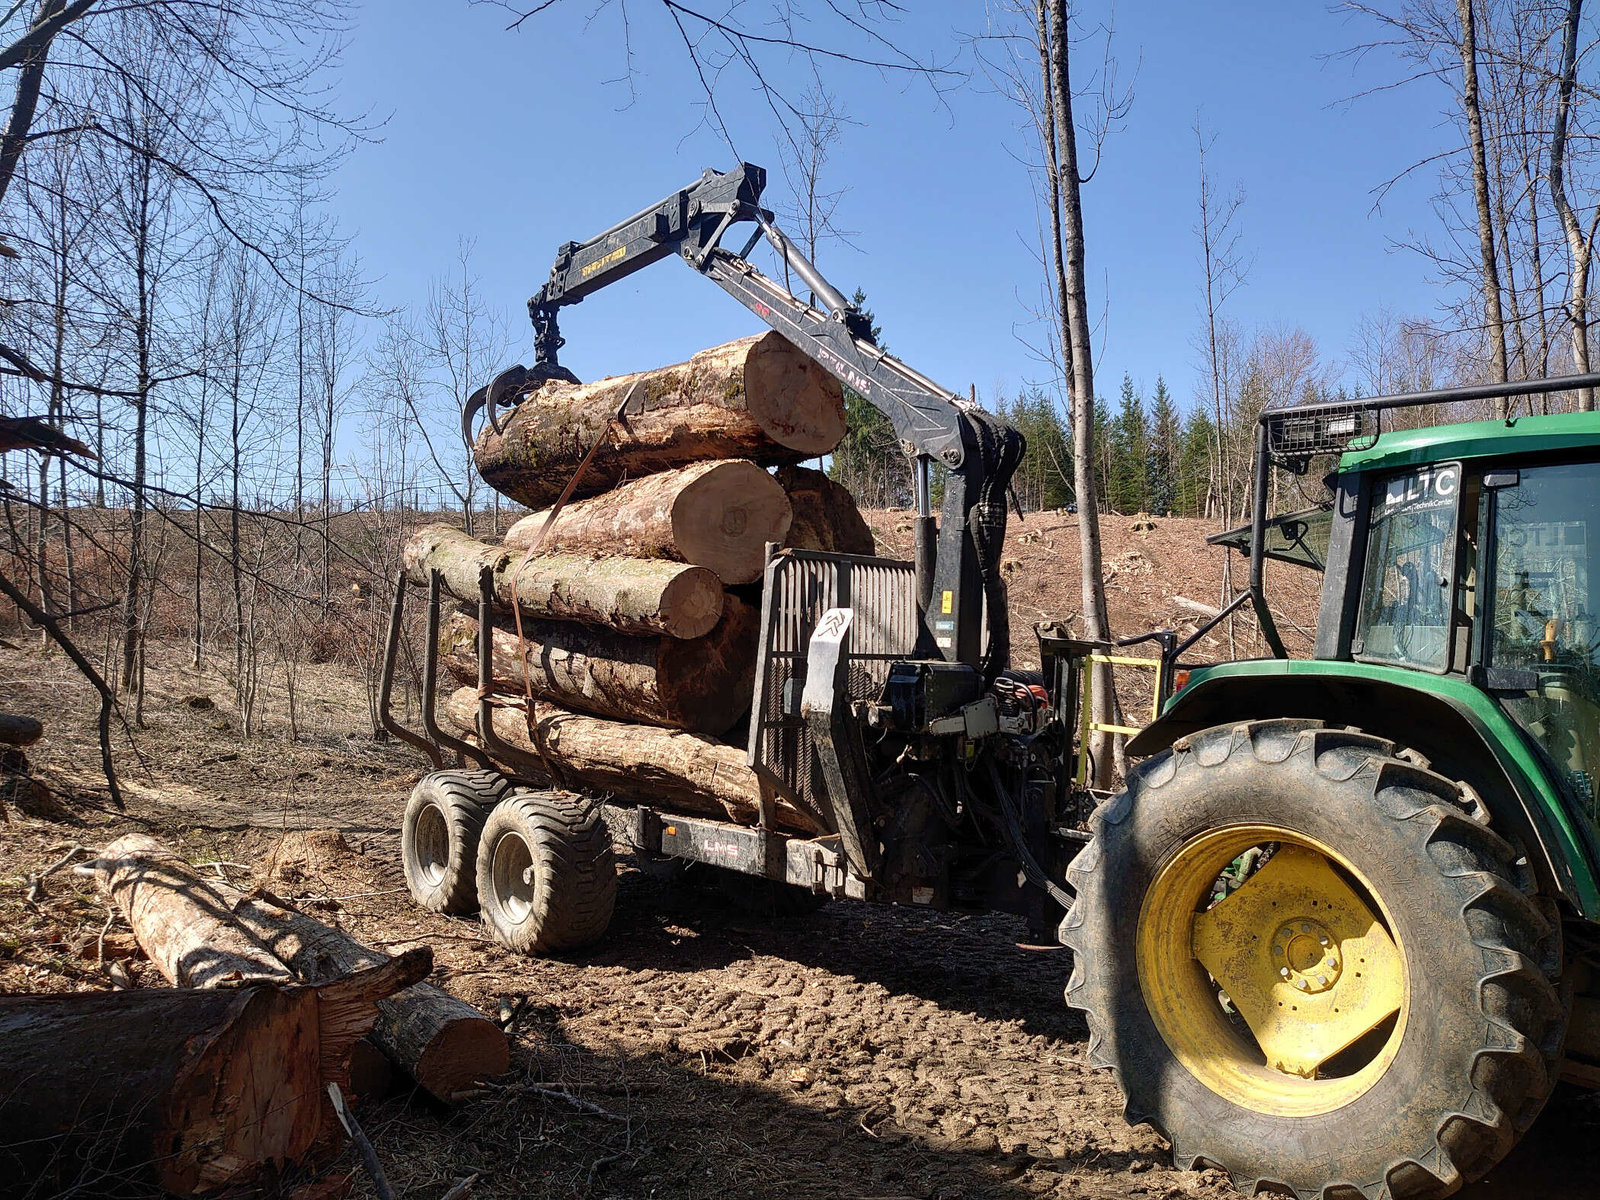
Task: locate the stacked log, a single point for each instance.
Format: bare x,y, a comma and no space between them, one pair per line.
758,399
619,660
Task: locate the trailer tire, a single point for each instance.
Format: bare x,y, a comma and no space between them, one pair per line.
439,837
1425,1100
547,873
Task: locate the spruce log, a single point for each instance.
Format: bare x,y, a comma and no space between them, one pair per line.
757,398
703,685
197,1090
825,514
179,919
629,594
719,515
444,1043
664,768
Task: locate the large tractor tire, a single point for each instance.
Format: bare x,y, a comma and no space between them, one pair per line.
1370,1013
439,837
547,874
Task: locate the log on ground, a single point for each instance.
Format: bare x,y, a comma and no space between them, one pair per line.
197,1090
628,594
825,514
757,398
444,1043
703,685
719,515
664,768
179,919
206,934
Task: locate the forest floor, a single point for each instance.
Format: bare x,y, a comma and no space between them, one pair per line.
856,1052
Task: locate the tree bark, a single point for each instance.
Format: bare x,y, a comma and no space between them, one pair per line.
179,920
679,772
630,595
201,1090
1493,320
1580,248
825,514
703,685
719,515
757,398
444,1043
1076,337
19,731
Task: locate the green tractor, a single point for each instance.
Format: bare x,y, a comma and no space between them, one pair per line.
1338,934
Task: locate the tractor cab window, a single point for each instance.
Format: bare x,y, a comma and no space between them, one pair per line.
1406,594
1543,639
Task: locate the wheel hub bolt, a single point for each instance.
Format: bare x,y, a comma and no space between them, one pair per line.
1307,956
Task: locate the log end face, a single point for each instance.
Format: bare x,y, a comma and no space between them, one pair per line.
462,1054
794,401
691,605
725,518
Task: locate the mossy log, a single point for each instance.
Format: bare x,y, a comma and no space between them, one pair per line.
758,398
703,685
631,595
664,768
719,515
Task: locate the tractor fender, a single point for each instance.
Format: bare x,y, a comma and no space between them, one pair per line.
1459,729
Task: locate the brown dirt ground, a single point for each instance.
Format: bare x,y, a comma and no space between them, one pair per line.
857,1052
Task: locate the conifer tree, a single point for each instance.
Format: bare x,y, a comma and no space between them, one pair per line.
1162,462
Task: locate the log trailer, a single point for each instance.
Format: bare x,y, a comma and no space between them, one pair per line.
1338,933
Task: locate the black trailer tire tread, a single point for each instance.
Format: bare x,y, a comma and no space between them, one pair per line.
574,865
464,799
1511,1067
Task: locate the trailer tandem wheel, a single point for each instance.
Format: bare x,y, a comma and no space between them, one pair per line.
439,836
547,874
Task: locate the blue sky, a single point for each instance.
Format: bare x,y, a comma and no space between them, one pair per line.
516,140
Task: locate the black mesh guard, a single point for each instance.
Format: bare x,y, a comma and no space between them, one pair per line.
999,449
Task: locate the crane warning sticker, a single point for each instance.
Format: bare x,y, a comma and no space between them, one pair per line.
947,601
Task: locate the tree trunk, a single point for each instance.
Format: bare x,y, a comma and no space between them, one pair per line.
203,1090
757,398
19,731
679,772
1579,248
1078,344
703,685
637,596
825,514
719,515
1494,322
445,1044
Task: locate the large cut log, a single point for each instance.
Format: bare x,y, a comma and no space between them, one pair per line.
445,1044
825,514
179,920
703,685
719,515
757,398
629,594
665,768
194,1090
204,934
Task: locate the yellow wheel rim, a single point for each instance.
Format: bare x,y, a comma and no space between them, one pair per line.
1303,954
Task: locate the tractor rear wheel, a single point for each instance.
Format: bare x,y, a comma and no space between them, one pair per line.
1311,964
